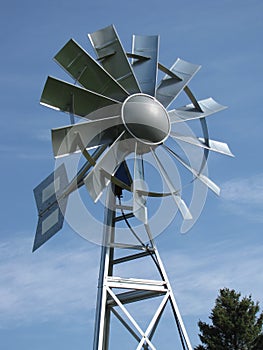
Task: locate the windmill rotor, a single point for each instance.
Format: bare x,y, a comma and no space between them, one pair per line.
123,108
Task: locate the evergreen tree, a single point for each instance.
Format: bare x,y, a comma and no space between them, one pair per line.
236,324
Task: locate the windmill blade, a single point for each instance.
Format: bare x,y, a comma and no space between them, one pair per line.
178,200
99,177
208,182
51,205
175,80
86,71
146,69
139,201
105,112
69,98
215,146
110,52
209,106
72,138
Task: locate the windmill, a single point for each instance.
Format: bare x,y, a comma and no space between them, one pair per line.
124,119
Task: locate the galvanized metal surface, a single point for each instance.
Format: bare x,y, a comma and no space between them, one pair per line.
172,84
208,182
175,194
69,98
96,180
87,72
215,146
69,139
111,54
145,69
189,112
115,292
139,201
146,119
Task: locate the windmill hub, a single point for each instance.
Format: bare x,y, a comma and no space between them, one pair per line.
146,119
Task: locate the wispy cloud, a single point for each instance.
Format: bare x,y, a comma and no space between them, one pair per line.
245,197
247,190
43,135
45,285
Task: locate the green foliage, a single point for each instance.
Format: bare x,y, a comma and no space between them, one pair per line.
236,324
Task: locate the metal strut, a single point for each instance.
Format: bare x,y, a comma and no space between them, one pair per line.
115,292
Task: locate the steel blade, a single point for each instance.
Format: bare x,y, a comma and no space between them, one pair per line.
73,138
177,198
146,69
139,201
89,73
111,54
208,182
215,146
173,83
99,177
71,99
105,112
209,106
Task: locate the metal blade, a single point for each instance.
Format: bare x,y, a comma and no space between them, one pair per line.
178,200
72,138
110,52
146,69
105,112
51,205
215,146
100,175
69,98
173,83
209,183
86,71
139,201
189,112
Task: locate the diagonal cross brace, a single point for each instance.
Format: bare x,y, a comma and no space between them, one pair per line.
131,319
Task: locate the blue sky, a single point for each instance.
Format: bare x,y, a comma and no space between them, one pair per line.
47,299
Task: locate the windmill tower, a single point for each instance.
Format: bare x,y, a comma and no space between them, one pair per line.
125,118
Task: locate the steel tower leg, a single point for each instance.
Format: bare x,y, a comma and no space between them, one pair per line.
102,321
111,300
